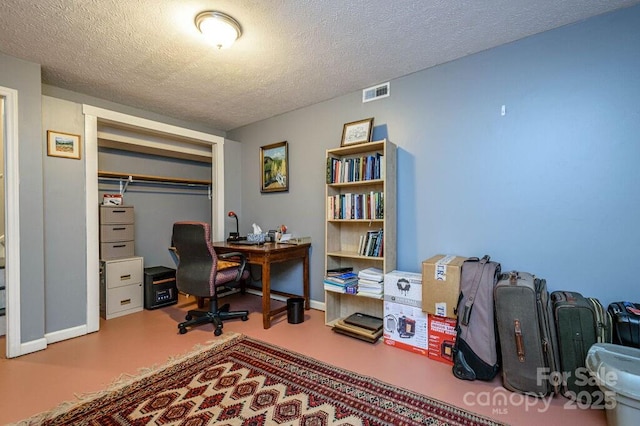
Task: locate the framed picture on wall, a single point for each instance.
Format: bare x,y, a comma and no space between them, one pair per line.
60,144
357,132
274,167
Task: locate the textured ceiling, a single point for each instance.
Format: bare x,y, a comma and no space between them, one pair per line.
293,53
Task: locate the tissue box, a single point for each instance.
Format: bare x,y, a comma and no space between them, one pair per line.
256,238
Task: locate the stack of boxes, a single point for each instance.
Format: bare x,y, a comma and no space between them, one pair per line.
420,309
440,291
405,324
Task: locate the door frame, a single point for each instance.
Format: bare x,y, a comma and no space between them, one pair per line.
94,116
12,222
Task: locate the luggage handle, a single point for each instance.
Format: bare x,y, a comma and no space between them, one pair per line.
513,277
466,314
630,308
519,343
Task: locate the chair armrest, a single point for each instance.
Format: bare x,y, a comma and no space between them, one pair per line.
242,261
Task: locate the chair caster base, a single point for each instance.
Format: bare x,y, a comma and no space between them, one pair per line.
182,330
245,318
217,331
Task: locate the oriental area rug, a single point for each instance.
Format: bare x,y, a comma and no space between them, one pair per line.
241,381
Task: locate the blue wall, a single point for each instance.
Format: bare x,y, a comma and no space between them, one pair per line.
549,188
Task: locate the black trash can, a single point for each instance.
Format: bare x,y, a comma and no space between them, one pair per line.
295,310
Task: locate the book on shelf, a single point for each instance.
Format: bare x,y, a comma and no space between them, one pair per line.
371,292
342,277
338,271
341,283
349,287
355,169
371,273
365,284
356,205
371,244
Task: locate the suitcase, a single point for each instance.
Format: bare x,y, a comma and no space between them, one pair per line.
626,323
604,331
475,353
580,322
527,337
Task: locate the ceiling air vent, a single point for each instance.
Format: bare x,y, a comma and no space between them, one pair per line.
375,92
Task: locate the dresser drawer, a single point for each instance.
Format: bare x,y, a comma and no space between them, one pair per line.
116,250
123,300
117,232
123,273
116,214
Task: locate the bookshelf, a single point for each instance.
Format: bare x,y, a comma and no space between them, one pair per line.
360,198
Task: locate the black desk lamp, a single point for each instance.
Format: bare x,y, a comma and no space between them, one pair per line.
234,236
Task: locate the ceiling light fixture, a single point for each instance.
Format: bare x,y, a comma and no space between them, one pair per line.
220,29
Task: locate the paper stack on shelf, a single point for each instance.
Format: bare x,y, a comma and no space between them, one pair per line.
361,326
371,282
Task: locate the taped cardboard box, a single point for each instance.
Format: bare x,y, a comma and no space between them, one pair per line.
441,284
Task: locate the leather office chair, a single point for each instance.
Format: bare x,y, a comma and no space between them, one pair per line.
200,272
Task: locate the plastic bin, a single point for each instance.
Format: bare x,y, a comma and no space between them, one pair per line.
617,372
295,310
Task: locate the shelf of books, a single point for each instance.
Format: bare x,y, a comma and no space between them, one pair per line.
360,228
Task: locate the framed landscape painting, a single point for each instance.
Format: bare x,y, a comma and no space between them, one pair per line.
274,167
64,145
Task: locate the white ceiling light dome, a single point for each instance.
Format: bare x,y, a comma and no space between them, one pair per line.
218,28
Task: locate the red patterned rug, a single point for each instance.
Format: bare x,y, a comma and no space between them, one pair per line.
241,381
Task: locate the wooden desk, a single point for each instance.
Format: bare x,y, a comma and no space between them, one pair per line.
265,255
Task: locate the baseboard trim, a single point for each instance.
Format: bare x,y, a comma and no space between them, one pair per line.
314,304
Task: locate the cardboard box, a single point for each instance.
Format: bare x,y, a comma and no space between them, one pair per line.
441,284
403,287
405,327
442,337
405,324
112,199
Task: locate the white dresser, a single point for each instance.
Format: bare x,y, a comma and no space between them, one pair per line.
121,286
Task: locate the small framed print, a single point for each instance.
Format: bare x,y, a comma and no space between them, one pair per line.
60,144
357,132
274,167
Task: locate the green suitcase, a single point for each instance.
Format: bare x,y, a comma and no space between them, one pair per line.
580,322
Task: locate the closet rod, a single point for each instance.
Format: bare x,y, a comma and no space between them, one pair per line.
151,178
124,179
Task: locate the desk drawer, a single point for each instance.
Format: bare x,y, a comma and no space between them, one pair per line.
116,214
118,232
116,250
